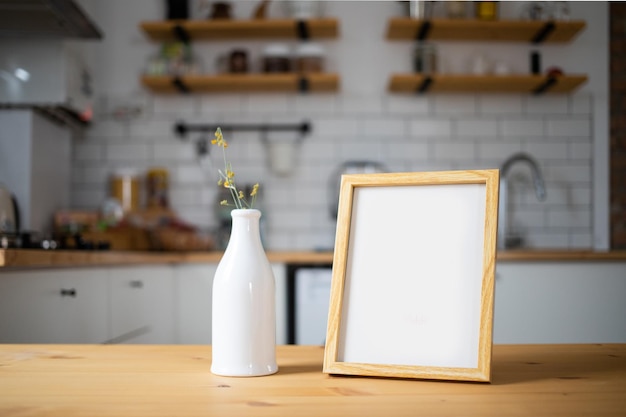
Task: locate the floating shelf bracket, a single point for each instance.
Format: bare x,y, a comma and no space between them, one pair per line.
544,32
181,33
180,85
181,128
304,85
302,28
545,86
424,30
425,85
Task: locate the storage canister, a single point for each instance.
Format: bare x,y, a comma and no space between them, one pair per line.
425,58
309,58
276,58
157,184
125,188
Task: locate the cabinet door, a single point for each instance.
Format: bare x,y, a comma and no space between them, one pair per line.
280,276
53,306
194,300
142,305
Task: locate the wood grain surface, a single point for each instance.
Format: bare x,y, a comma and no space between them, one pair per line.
149,380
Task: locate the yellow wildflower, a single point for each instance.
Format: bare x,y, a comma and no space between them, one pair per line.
227,178
219,139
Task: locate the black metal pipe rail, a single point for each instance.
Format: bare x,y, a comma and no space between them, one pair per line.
181,128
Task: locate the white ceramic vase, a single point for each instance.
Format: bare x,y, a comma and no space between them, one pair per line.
244,307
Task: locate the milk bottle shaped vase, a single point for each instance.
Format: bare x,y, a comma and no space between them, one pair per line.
244,307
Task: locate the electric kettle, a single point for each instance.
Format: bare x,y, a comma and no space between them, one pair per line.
9,214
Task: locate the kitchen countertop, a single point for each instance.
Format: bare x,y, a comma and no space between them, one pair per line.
16,258
156,380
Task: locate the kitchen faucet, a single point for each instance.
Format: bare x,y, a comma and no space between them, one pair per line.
504,240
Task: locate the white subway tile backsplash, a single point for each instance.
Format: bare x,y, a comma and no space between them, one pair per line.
85,151
153,130
408,105
359,105
582,240
569,173
522,219
498,151
581,104
269,103
182,151
548,239
411,150
190,174
176,105
102,129
384,128
90,197
313,104
569,128
362,149
522,128
430,128
547,150
476,127
572,218
500,104
566,195
546,105
91,174
128,152
454,151
580,150
213,106
455,104
340,129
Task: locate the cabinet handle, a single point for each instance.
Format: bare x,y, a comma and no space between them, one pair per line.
136,284
71,292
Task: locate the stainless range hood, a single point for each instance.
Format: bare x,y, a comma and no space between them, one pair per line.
45,19
41,67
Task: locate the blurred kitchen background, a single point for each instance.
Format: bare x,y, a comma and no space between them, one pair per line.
97,146
132,128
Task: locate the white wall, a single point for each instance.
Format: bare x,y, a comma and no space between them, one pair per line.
568,134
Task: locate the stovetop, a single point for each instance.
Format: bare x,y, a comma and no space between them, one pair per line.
35,240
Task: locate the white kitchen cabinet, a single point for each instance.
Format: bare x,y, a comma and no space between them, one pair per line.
160,304
194,289
142,305
54,306
194,294
560,302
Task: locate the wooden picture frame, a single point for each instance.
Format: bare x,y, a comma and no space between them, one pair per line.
413,276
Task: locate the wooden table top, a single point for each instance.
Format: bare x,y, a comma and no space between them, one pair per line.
152,380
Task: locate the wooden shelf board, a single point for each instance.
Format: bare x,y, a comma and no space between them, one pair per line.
240,29
477,30
319,82
444,83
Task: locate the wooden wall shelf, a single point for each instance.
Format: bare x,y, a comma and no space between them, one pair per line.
478,30
241,29
452,83
241,83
